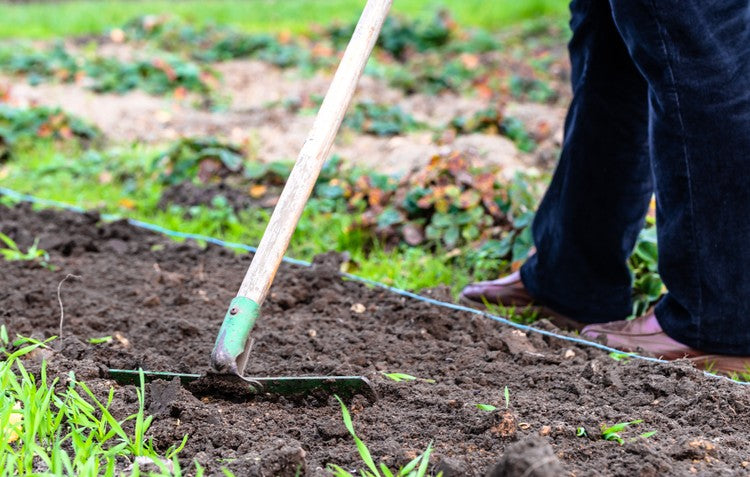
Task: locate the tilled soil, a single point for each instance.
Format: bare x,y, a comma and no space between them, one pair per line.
163,302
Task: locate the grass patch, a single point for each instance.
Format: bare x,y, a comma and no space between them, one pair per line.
54,430
43,20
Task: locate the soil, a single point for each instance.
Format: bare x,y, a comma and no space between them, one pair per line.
187,194
163,302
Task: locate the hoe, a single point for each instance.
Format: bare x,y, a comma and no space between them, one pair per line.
232,349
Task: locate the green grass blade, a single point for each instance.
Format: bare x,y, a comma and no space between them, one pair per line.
364,452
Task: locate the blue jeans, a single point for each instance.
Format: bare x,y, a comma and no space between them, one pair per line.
661,105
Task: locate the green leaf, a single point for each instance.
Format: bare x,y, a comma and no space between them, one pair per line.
364,452
486,407
103,339
398,377
385,470
389,216
451,236
425,461
9,242
620,426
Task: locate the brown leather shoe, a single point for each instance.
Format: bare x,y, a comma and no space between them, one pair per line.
644,334
509,291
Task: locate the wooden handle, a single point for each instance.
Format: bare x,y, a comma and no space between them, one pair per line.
314,152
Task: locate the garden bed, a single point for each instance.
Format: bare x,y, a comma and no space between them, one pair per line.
162,303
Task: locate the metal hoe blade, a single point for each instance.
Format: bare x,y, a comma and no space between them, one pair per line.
248,387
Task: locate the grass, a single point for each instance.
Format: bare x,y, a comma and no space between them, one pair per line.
78,17
11,251
417,467
612,433
67,430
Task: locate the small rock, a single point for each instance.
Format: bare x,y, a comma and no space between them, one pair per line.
152,301
695,449
121,339
358,308
517,342
505,425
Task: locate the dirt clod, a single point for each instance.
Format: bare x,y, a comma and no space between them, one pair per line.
531,457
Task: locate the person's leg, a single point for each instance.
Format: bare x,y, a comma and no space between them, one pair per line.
695,56
590,217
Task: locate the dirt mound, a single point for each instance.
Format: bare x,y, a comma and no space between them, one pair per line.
163,302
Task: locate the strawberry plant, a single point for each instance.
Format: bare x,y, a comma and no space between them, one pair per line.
214,43
40,65
401,36
531,89
380,120
200,160
28,124
453,202
431,74
158,75
492,121
647,284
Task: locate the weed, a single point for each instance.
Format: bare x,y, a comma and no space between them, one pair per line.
490,407
398,377
12,252
101,340
64,430
581,432
415,468
623,357
742,377
612,433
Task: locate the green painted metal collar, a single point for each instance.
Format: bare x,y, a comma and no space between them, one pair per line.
234,333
